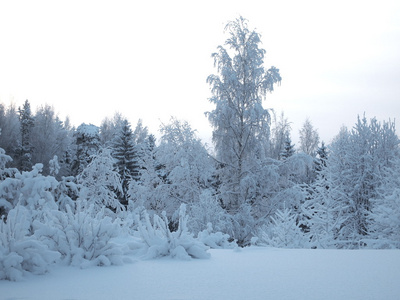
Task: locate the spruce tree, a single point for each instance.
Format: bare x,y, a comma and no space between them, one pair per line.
322,157
288,148
24,153
126,160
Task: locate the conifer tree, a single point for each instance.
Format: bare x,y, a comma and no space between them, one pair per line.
126,160
322,157
25,148
288,148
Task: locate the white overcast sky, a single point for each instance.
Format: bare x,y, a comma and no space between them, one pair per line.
150,59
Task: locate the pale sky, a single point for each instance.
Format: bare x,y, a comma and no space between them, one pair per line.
150,59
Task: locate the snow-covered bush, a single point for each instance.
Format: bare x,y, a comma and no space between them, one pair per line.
29,189
283,232
215,240
243,225
20,251
4,159
208,210
36,191
160,241
83,237
66,192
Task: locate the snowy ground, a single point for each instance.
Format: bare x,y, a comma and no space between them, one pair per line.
252,273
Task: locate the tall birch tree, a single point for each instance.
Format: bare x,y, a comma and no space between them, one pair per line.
240,123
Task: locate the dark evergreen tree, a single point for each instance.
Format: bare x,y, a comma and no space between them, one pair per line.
125,154
322,157
10,131
288,148
24,152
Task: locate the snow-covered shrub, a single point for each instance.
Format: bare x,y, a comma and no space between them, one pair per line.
283,232
54,166
83,237
20,251
9,194
243,225
4,159
215,240
29,189
66,192
208,210
160,241
36,192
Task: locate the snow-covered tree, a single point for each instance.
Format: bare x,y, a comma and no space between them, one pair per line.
384,217
309,138
109,128
281,128
126,159
207,211
288,148
140,133
176,172
100,182
241,124
5,204
354,174
321,158
24,152
87,142
284,231
50,136
10,131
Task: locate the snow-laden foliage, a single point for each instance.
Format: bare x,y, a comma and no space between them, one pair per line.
353,177
176,172
66,193
241,124
7,194
309,138
87,140
29,189
54,166
25,148
161,241
384,216
4,160
20,250
100,181
323,216
215,240
126,158
84,237
283,232
206,211
243,225
36,192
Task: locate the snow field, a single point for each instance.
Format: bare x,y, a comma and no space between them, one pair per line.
252,273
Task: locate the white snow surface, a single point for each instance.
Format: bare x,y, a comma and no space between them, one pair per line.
251,273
